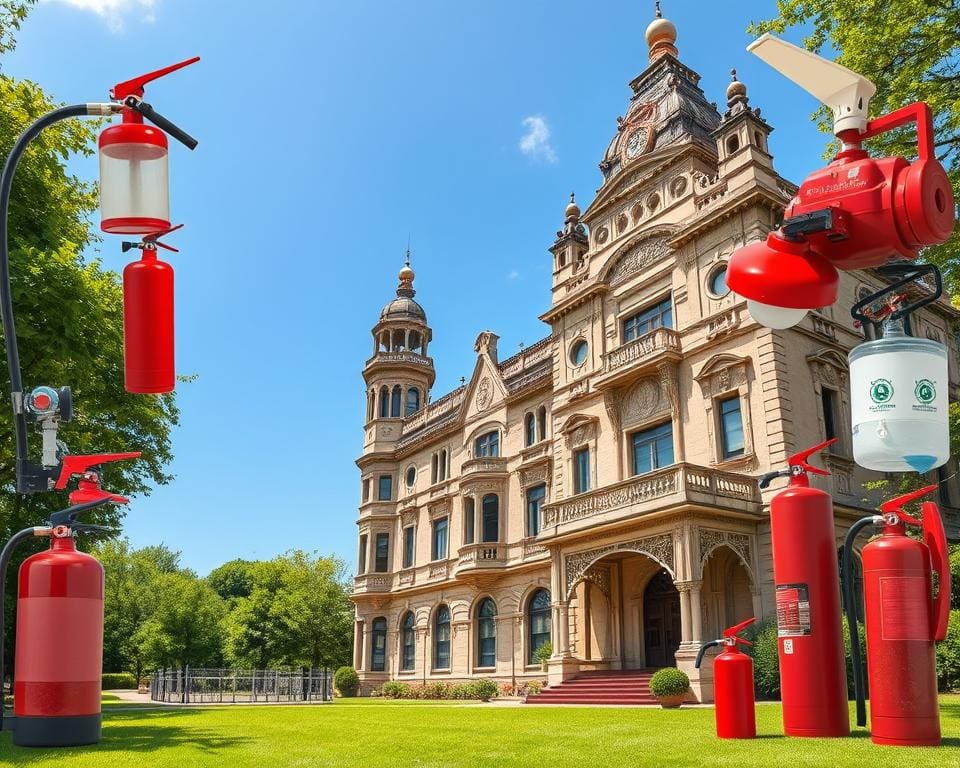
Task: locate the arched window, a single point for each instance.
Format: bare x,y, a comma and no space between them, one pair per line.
487,633
395,401
491,517
433,469
443,465
408,642
487,445
371,405
468,519
378,645
441,638
733,144
542,422
384,402
416,343
530,429
538,622
413,400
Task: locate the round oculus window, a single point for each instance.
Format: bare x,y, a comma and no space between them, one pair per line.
411,476
717,282
578,352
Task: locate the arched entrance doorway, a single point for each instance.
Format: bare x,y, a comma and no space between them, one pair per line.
727,593
661,621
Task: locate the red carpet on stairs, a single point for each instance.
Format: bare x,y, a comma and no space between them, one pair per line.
630,687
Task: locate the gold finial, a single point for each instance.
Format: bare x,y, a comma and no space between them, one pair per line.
572,211
661,36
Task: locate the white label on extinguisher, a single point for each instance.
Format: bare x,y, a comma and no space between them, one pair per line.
904,613
793,610
788,647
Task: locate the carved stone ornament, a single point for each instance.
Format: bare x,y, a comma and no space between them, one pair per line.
602,235
722,373
409,516
659,547
738,542
599,576
640,256
483,393
535,475
642,401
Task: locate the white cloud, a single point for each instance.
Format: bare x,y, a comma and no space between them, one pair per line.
535,143
115,12
513,275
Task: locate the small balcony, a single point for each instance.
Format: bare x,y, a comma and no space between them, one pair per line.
474,557
641,354
367,583
485,466
671,488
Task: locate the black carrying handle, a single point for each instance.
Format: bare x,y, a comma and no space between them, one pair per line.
68,515
160,121
703,650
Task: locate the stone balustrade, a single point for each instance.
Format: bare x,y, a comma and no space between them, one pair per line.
646,347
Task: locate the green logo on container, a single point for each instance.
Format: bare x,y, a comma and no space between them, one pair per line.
881,390
926,392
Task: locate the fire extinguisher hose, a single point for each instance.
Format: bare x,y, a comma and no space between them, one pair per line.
5,556
846,579
703,650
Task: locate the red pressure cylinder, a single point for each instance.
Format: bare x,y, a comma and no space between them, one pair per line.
148,325
901,666
813,678
733,694
56,695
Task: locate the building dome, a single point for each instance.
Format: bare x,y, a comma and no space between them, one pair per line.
572,211
661,30
736,88
403,308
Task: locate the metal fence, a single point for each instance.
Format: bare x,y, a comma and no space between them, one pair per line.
216,686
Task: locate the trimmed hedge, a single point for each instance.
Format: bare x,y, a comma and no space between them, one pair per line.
118,681
479,689
346,681
948,656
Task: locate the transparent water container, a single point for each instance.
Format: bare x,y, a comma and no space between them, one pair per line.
899,403
134,184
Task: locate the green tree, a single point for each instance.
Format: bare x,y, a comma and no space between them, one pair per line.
69,315
298,613
232,580
909,49
129,599
185,624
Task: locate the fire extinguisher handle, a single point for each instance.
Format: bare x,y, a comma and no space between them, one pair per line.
935,537
160,121
68,515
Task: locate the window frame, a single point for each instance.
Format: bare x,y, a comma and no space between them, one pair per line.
435,525
408,632
489,621
381,633
652,444
532,644
409,546
380,482
533,512
581,482
529,429
381,562
362,558
438,625
469,520
725,453
655,310
407,409
490,517
487,445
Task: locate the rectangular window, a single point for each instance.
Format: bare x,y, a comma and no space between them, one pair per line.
385,490
366,489
652,448
381,564
828,399
487,445
581,470
362,559
468,519
535,497
408,546
731,428
658,316
490,509
439,548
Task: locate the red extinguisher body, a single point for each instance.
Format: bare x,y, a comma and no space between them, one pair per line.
59,648
813,678
901,665
148,325
733,693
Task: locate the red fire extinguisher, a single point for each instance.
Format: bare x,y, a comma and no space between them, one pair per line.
813,678
59,649
733,685
148,361
903,620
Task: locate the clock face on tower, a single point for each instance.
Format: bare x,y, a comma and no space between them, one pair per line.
638,131
636,143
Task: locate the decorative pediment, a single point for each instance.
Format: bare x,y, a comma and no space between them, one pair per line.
648,247
580,428
829,367
721,373
486,390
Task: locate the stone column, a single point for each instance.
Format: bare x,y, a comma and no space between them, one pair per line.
564,628
686,621
696,611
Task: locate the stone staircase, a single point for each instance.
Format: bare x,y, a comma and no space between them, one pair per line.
627,687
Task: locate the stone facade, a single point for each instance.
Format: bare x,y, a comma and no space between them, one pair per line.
643,419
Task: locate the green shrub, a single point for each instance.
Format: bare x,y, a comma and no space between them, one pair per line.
396,690
346,681
534,687
463,691
436,690
766,665
113,681
485,689
669,682
948,656
544,652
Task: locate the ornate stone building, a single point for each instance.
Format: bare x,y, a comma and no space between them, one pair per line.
599,488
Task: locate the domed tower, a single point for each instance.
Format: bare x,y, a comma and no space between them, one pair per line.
400,373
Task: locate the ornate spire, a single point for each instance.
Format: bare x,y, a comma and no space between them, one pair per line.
406,278
571,220
661,36
736,95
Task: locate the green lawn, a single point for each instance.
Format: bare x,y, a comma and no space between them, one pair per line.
381,733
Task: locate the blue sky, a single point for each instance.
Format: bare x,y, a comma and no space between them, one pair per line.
329,133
